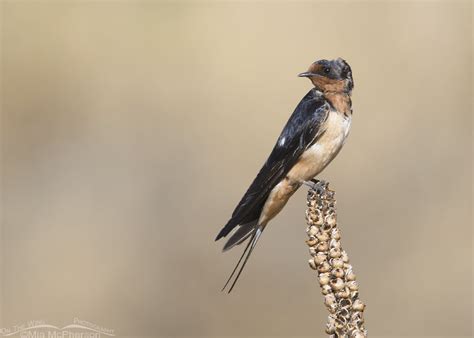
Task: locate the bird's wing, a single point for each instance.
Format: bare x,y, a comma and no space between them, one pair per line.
301,131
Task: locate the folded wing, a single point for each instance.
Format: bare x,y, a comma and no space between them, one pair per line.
301,131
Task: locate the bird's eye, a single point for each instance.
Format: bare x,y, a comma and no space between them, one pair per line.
327,70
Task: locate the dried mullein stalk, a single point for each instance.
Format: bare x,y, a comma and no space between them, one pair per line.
328,258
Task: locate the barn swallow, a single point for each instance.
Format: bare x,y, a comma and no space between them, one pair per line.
312,137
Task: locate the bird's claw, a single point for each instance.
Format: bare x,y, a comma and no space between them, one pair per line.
315,184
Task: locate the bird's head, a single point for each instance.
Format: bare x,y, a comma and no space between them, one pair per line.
330,76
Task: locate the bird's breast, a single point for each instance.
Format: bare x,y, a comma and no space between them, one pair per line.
322,152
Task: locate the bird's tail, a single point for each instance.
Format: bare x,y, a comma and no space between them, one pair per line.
254,234
238,237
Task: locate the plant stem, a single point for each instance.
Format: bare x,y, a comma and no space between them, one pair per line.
335,273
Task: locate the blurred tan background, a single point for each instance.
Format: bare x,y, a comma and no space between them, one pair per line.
131,129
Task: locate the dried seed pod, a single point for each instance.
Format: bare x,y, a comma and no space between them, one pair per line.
324,279
341,323
322,246
329,299
312,264
326,289
358,305
345,302
344,293
338,272
350,276
322,237
344,314
335,253
335,244
344,256
354,294
326,227
312,251
357,318
332,318
353,285
337,284
319,221
312,231
357,334
331,220
324,267
330,302
332,309
336,234
320,258
331,326
311,241
337,263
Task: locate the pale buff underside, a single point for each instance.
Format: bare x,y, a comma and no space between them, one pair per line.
310,163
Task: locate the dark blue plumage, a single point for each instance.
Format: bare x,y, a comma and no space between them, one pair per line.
299,132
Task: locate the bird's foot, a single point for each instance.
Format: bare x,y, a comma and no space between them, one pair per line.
318,185
311,183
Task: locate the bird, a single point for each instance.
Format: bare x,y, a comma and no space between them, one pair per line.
313,135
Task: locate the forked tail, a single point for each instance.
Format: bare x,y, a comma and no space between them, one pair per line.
255,235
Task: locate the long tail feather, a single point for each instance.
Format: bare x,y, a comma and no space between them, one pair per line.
247,252
238,263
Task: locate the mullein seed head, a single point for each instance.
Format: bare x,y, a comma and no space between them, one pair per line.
335,274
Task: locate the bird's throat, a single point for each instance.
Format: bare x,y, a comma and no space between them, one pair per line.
337,92
340,101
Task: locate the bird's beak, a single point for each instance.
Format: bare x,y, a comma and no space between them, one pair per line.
306,74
